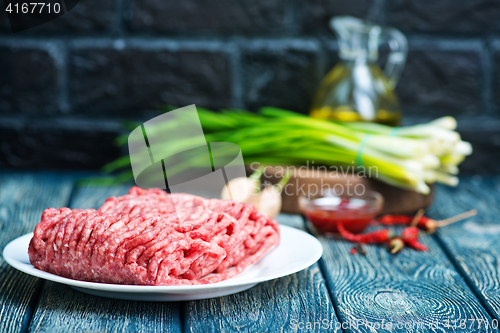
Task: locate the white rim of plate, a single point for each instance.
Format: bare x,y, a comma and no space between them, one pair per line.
29,269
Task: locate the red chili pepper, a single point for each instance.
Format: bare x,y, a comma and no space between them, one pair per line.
427,224
379,236
395,219
410,233
415,244
410,237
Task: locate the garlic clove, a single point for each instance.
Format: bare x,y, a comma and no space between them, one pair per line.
240,189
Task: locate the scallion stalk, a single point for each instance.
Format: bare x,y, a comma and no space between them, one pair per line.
407,157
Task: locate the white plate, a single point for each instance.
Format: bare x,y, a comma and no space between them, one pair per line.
296,251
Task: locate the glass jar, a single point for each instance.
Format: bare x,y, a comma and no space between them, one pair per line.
357,89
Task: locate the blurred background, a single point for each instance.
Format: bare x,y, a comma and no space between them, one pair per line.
66,86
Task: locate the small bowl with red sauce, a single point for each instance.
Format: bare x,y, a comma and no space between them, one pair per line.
354,211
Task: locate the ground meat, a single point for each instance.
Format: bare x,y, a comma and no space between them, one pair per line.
149,237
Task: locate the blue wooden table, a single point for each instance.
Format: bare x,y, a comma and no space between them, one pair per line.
455,287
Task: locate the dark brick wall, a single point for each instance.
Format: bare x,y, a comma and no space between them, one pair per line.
123,79
227,16
65,86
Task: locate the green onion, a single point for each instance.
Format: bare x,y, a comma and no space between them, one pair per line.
407,157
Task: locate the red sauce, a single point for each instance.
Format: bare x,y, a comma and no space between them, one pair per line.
355,217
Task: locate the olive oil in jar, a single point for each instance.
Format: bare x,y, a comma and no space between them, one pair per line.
357,89
338,98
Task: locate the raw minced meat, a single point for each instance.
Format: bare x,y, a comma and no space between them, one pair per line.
149,237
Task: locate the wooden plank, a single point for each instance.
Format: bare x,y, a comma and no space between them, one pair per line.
408,292
62,309
474,243
290,303
23,197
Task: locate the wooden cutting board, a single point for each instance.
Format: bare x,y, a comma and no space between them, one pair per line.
396,200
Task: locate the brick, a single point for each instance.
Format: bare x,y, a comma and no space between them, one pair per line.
282,77
86,17
496,75
441,82
202,15
4,21
486,146
126,81
444,15
484,135
317,13
54,144
28,83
